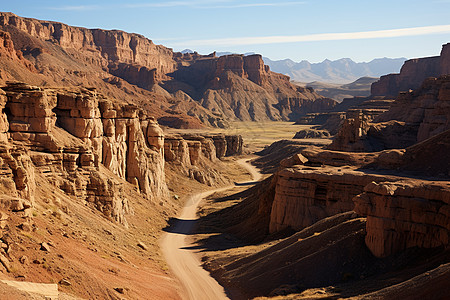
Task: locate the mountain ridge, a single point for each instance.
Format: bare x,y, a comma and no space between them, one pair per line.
343,70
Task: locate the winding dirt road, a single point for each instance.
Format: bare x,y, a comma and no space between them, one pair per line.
184,263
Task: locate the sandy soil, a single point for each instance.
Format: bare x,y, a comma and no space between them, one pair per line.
184,262
256,135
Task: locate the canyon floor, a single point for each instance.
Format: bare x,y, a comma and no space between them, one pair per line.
176,245
89,256
259,135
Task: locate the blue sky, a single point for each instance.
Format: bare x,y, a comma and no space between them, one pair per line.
312,29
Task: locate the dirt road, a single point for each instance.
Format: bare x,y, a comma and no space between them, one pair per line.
184,263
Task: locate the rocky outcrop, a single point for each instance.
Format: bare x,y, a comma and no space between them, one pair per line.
4,125
370,107
404,210
8,52
187,148
74,134
413,73
311,134
405,214
17,173
234,145
195,150
294,108
305,195
176,150
350,133
413,117
111,45
426,108
197,156
136,74
262,95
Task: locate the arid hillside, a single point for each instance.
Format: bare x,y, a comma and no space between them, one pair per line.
181,90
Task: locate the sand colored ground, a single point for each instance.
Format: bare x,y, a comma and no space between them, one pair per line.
184,262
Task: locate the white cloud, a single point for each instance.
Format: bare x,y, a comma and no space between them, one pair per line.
391,33
243,5
205,4
175,3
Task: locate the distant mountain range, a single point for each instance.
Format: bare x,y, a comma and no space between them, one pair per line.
360,87
341,71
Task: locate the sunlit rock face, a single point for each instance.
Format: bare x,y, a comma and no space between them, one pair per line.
413,73
405,214
73,134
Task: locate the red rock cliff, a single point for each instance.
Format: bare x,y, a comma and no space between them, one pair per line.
105,45
413,73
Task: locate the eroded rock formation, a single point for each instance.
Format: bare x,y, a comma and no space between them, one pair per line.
412,74
193,153
413,117
72,135
111,45
180,90
404,193
306,195
405,214
261,94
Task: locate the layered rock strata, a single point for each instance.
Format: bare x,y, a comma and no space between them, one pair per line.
184,89
413,73
193,154
405,214
73,134
108,45
305,195
404,210
242,87
414,116
369,107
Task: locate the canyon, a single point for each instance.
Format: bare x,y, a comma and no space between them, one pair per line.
106,138
371,203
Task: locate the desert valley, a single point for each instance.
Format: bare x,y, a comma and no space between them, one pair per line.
131,171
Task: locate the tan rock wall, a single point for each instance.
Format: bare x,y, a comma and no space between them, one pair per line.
305,195
4,125
413,73
405,214
100,45
17,173
176,150
91,131
234,145
413,117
